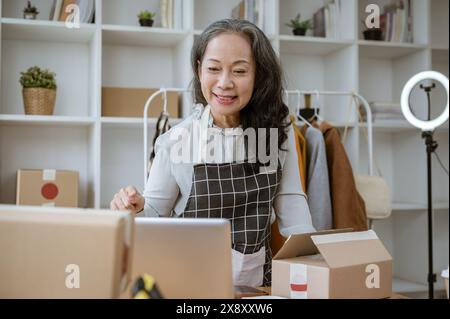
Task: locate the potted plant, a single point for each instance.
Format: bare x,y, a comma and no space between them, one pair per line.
146,18
30,12
299,27
38,91
374,34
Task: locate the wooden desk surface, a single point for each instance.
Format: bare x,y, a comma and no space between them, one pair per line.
267,290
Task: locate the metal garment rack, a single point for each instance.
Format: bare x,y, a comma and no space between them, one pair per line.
366,107
145,118
287,92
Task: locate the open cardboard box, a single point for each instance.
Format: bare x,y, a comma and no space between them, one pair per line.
332,264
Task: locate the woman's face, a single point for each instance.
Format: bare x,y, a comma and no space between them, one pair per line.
227,74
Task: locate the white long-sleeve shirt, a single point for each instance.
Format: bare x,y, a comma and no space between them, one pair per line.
170,179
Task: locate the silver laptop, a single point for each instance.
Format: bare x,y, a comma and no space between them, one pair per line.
189,258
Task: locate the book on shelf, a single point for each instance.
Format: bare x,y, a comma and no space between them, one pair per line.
396,21
171,14
64,9
178,14
319,23
55,10
86,10
250,10
326,20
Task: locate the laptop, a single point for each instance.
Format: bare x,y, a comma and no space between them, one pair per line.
188,258
52,252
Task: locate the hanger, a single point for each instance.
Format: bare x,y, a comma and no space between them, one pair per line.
164,97
307,112
299,116
316,107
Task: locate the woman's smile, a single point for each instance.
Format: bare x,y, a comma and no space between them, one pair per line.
225,99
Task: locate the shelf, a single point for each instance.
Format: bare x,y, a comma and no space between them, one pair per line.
437,206
133,121
310,45
387,50
142,37
439,47
52,120
41,30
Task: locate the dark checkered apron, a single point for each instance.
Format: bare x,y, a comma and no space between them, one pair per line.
241,193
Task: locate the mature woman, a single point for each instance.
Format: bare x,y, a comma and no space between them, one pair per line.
237,87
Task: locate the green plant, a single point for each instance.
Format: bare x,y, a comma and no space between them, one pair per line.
146,15
34,77
297,24
30,9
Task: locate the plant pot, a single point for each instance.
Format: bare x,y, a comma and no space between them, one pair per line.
375,34
299,31
30,15
39,101
145,23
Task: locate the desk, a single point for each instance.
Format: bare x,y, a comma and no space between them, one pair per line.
267,290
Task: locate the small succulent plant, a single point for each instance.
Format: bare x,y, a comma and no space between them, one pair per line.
146,15
296,23
34,77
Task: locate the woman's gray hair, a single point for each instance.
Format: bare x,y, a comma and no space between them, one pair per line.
265,108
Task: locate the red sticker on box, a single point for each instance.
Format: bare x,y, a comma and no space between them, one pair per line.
49,191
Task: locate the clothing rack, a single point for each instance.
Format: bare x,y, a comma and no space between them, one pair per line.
287,92
145,118
364,103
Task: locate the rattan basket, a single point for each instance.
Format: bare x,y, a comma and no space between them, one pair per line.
39,101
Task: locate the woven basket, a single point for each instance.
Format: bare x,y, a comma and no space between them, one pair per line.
39,101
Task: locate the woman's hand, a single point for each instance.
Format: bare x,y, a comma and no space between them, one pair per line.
128,198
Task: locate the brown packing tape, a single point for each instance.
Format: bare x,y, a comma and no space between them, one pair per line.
130,102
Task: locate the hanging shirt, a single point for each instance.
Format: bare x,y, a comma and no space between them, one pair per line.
319,197
277,240
349,210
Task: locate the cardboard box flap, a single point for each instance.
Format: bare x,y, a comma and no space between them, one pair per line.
346,249
302,245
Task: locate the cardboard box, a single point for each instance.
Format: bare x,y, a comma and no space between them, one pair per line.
47,187
53,252
130,102
332,264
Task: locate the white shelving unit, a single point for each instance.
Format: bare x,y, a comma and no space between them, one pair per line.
116,51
